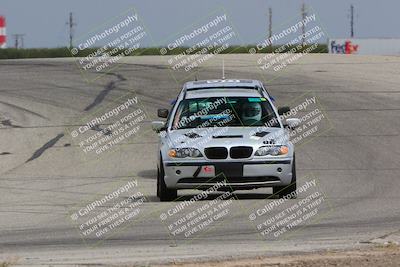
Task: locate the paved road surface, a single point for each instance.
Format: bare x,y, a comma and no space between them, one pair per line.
46,177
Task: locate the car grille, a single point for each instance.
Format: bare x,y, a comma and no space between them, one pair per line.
216,152
241,152
231,180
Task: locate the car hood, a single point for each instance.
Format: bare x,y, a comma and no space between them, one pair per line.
227,136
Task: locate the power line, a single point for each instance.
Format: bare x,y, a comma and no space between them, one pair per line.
351,21
303,27
270,24
71,25
18,39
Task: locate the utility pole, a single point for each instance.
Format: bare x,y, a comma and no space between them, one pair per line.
303,27
270,25
15,41
351,21
71,25
17,38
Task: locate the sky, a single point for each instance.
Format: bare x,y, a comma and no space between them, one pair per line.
44,21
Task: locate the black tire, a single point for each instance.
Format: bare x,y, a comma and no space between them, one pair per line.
164,193
288,190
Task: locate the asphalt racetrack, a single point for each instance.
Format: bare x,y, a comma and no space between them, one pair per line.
46,177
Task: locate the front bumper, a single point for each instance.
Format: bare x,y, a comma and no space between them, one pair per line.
236,174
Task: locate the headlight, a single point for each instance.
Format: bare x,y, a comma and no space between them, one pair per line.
272,150
184,153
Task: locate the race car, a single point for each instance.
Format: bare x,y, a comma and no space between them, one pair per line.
226,133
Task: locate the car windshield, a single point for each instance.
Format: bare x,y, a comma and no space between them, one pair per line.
224,111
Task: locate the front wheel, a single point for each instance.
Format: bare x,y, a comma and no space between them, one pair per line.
164,193
288,191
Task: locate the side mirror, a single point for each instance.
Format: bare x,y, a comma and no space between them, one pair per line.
283,110
292,123
158,126
162,113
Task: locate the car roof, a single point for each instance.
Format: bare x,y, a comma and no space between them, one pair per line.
225,92
222,83
222,87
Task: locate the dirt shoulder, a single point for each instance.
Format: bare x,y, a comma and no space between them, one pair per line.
386,256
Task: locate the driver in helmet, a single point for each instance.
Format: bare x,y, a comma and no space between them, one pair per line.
251,113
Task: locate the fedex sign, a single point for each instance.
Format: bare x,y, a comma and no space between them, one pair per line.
343,48
364,46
